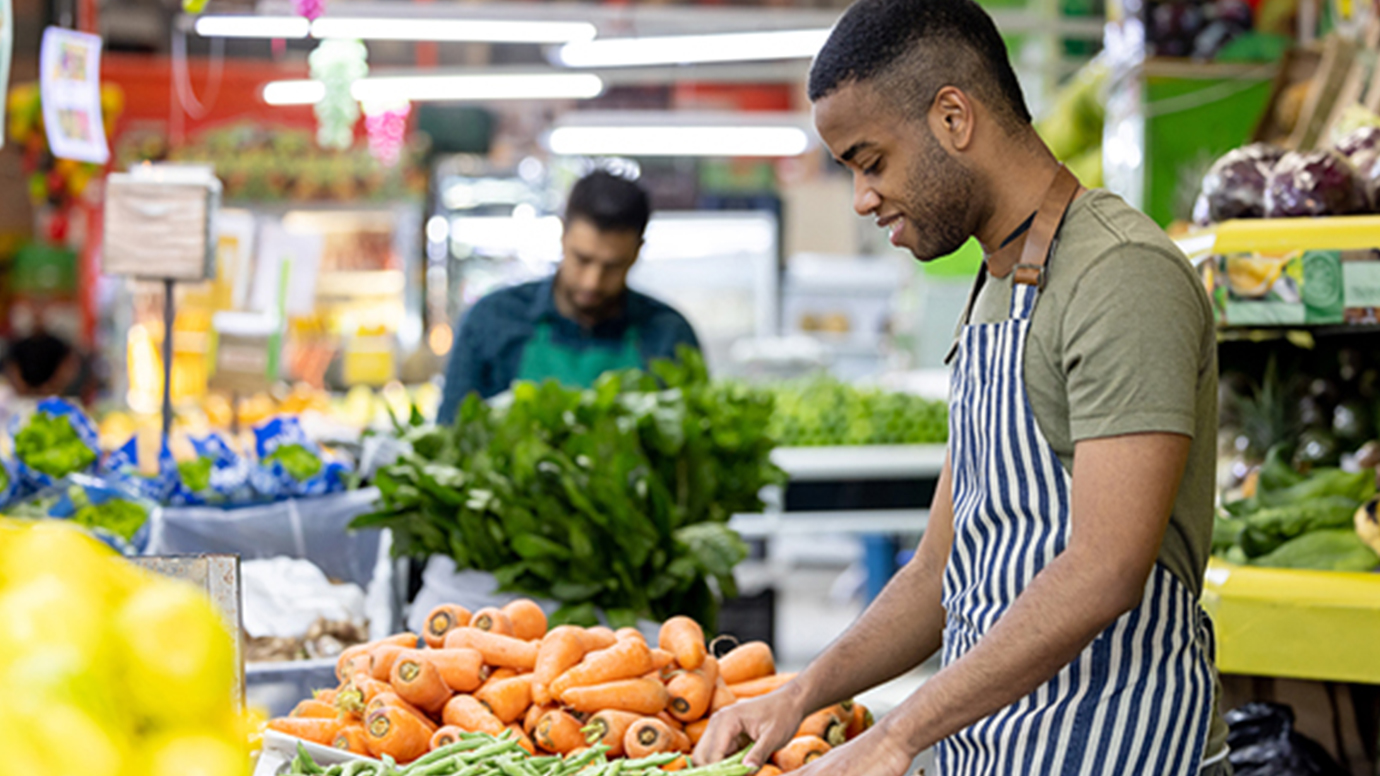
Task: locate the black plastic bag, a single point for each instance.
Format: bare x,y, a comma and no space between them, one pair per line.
1263,743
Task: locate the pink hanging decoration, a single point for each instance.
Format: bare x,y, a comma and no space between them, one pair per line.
309,8
386,127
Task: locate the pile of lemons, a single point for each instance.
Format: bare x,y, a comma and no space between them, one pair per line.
108,670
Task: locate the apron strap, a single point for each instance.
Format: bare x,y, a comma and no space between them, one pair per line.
1033,247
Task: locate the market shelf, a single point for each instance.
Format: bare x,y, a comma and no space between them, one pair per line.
860,462
865,521
1276,235
1319,625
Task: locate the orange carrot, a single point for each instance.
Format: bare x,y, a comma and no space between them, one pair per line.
462,669
723,697
381,659
670,721
508,698
351,661
445,736
678,764
695,730
467,713
560,650
608,728
313,729
746,662
861,721
419,682
643,696
406,639
384,699
684,638
493,620
355,696
649,736
442,620
498,675
312,708
394,732
829,724
497,649
558,732
527,619
768,770
599,637
523,739
533,716
325,696
624,660
762,686
630,633
799,752
691,693
661,658
353,739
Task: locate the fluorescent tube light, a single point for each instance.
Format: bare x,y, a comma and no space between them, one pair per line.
678,141
253,26
444,88
294,92
453,30
688,49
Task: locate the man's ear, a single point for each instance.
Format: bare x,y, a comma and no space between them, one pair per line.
951,119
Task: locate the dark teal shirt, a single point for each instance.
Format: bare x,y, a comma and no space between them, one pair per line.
489,340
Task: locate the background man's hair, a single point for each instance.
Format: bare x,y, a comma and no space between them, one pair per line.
910,49
610,202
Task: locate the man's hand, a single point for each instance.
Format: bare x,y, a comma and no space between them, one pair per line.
874,753
771,721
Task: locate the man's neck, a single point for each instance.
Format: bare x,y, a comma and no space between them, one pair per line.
1016,193
586,321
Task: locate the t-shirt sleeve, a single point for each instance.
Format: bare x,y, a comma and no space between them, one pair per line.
1132,339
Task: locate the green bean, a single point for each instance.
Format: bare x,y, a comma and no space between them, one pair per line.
489,751
652,761
584,758
475,741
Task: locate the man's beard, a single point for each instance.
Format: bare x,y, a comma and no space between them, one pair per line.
940,193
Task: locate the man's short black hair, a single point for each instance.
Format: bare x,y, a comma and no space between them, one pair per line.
914,48
611,202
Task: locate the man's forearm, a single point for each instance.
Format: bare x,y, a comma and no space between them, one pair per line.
898,632
1050,624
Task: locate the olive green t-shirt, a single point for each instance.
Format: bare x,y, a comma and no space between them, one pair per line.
1122,341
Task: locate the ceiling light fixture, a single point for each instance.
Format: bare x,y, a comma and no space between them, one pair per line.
692,49
445,88
253,27
479,30
654,140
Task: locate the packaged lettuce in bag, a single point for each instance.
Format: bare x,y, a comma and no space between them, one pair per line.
218,475
57,440
122,467
290,464
9,483
109,509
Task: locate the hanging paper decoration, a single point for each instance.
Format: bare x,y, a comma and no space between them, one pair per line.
308,8
386,126
337,64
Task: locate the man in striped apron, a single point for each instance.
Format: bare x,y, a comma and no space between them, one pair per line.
1062,562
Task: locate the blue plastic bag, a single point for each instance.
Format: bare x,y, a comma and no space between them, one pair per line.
273,478
122,466
229,483
32,479
106,508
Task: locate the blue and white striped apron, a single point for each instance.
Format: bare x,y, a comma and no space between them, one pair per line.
1137,701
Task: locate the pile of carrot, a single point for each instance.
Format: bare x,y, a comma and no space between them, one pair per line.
562,691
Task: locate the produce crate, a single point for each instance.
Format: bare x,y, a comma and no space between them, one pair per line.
1317,625
1291,271
279,751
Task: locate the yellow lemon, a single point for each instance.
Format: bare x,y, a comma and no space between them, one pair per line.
198,754
48,612
177,654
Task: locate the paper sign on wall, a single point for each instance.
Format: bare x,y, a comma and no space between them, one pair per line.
70,87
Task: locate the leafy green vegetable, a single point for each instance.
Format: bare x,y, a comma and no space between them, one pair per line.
4,478
615,498
824,411
299,462
1331,550
49,444
196,473
118,516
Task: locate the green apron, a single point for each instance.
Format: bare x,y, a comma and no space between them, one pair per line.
543,359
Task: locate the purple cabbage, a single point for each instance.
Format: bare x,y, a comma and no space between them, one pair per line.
1234,187
1313,183
1357,141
